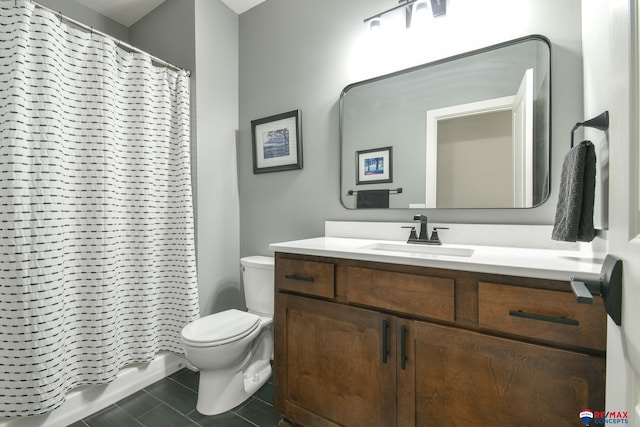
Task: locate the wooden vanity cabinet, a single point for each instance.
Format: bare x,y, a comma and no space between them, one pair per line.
334,373
472,378
369,344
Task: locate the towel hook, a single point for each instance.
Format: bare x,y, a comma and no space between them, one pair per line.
600,122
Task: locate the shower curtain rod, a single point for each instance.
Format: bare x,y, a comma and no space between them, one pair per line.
118,41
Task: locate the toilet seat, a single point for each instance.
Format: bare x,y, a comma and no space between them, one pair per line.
220,328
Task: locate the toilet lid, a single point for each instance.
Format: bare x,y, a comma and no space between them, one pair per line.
220,328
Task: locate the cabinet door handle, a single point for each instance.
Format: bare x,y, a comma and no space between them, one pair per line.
544,318
385,350
403,346
299,278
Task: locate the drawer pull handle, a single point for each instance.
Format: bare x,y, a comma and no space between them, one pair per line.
544,318
385,350
299,278
403,348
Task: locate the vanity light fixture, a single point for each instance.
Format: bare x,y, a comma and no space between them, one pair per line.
406,4
420,14
438,7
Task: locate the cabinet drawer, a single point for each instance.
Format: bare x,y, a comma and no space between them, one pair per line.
305,277
416,295
542,314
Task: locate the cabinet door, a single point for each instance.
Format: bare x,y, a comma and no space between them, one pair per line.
465,378
335,364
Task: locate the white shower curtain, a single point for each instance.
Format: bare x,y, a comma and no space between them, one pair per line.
97,258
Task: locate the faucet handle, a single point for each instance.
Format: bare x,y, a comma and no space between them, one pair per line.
434,233
412,235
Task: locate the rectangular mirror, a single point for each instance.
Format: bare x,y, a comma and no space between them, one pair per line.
470,131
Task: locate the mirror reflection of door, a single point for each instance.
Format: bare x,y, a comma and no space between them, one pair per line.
480,154
523,143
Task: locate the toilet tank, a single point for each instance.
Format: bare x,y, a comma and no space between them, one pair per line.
257,275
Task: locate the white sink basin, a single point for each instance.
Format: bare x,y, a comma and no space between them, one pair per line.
418,249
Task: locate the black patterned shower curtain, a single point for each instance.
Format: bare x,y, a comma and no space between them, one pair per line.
97,254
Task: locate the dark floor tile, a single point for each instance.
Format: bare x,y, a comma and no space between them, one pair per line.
164,416
111,416
139,403
266,393
187,378
172,401
228,419
259,413
175,395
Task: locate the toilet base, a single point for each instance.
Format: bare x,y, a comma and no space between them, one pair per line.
219,392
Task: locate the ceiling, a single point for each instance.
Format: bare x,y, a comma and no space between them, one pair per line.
128,12
239,6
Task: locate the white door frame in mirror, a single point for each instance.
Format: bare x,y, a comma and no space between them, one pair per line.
521,106
454,111
523,143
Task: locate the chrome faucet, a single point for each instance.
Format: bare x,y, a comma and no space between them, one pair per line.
422,237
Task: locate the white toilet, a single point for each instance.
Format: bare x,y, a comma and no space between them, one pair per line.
233,349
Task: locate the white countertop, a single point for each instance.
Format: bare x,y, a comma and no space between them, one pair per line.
556,264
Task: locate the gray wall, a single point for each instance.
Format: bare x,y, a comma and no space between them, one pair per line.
217,110
302,53
151,33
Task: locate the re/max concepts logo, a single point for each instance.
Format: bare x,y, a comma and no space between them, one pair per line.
602,417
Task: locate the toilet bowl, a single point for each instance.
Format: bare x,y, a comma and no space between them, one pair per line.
232,349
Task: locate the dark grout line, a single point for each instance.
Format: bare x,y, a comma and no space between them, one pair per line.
249,421
263,401
183,385
146,412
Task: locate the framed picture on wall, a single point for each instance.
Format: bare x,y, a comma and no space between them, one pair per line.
374,166
277,142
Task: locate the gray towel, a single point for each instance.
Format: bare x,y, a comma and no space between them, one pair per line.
372,199
574,212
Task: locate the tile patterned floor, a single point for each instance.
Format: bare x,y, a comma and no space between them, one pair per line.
171,402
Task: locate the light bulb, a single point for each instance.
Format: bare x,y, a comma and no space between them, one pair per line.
420,15
375,23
